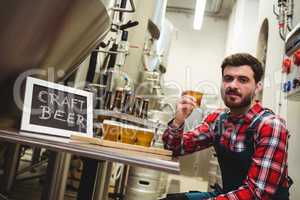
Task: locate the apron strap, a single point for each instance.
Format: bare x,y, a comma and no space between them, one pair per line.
253,127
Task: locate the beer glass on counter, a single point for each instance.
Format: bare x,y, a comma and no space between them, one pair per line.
125,133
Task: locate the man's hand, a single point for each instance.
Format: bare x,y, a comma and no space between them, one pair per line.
184,108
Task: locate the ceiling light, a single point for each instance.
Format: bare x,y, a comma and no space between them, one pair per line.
199,14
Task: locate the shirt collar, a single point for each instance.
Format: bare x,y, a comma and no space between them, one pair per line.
255,109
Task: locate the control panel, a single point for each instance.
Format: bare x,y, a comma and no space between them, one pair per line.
291,65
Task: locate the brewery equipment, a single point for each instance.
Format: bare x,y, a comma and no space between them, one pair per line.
291,65
43,39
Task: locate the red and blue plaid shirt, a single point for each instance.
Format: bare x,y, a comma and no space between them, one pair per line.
269,161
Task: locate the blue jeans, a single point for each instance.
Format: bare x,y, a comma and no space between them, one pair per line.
201,195
191,196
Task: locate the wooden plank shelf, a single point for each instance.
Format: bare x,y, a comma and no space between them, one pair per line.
119,145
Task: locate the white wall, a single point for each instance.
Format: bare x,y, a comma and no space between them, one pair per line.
195,56
290,110
243,27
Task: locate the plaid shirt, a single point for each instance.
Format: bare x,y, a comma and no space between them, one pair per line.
269,161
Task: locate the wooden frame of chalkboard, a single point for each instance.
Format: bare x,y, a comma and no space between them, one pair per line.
55,109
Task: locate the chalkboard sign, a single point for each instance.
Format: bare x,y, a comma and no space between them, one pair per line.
56,109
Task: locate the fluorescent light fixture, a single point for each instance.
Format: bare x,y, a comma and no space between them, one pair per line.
199,14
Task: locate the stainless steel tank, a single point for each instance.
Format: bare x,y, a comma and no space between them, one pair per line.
52,35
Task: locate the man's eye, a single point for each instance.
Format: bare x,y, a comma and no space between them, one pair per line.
227,78
243,79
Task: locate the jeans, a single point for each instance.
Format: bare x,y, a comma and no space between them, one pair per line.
191,196
200,195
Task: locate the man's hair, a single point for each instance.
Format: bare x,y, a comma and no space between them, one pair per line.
239,59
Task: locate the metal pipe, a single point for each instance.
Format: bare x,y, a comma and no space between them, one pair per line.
12,158
274,11
290,14
281,17
102,180
121,182
56,176
26,169
2,197
122,5
30,177
124,9
110,52
282,34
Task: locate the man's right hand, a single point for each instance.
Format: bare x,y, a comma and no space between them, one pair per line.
184,108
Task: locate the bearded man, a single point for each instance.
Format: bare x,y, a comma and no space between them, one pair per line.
250,141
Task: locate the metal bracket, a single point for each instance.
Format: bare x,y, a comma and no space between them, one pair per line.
124,9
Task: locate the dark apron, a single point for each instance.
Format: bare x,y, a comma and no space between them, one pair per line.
235,165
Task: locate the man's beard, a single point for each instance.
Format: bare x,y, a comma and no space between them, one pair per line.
245,101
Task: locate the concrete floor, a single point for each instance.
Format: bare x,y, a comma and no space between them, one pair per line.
178,183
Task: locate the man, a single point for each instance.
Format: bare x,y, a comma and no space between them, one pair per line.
250,141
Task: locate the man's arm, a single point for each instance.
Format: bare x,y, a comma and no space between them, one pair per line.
268,163
183,143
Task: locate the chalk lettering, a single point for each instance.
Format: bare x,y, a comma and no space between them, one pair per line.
54,98
71,118
81,104
41,93
46,112
59,115
80,121
66,101
77,101
73,102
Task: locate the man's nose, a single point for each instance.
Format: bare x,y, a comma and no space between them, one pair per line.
234,83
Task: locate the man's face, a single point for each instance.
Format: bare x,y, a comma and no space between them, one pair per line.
238,87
